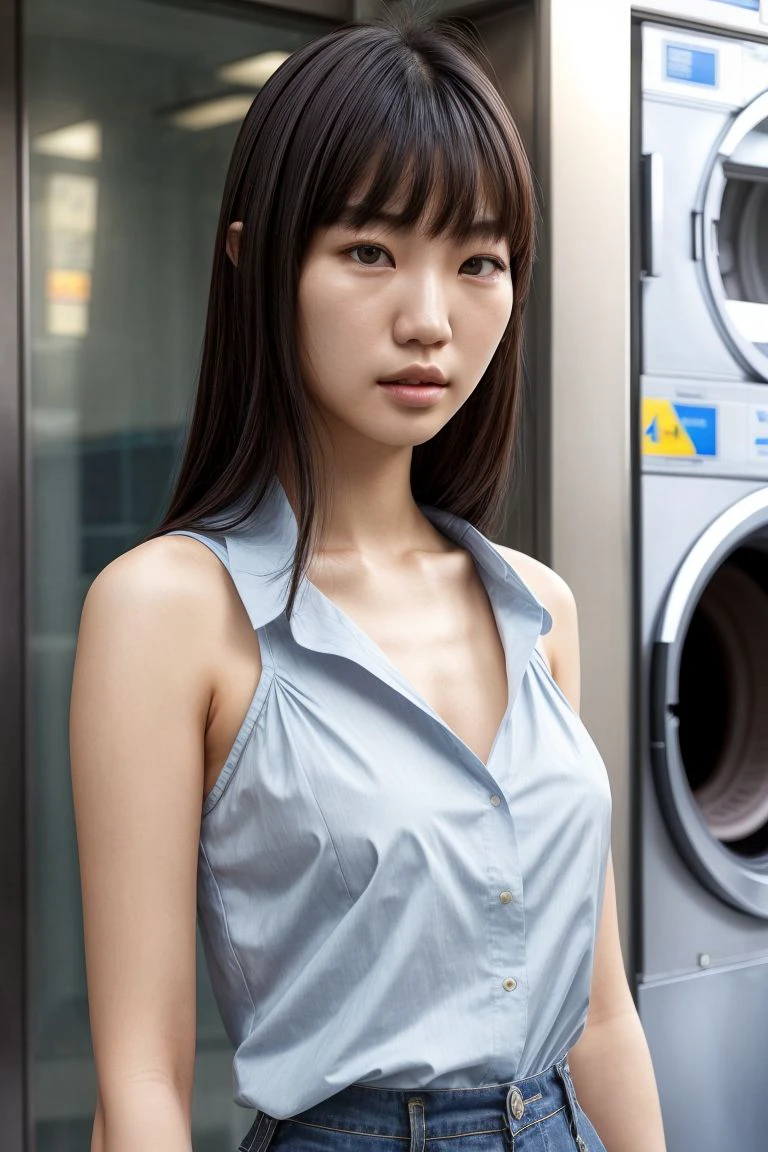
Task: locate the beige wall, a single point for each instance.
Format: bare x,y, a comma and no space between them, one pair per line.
589,225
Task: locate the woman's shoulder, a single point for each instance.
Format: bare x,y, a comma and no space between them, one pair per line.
551,590
547,585
174,590
161,573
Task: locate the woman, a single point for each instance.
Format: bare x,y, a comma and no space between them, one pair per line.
318,702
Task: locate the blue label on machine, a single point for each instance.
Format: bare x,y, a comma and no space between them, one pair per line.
691,65
670,429
701,425
754,5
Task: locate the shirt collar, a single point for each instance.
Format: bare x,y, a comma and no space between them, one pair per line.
263,547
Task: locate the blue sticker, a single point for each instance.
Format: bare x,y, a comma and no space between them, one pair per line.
754,5
691,65
700,422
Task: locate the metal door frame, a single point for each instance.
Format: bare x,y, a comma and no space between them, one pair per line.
12,839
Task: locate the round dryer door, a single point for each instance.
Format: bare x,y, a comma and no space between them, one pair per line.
709,707
735,236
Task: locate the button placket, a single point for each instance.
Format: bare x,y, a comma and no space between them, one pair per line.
506,927
505,936
505,897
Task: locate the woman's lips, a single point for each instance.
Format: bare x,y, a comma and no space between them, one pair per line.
412,394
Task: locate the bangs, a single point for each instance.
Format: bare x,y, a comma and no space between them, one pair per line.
441,148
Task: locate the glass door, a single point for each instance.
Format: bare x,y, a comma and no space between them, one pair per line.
735,232
132,111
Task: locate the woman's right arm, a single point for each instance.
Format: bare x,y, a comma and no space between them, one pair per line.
142,688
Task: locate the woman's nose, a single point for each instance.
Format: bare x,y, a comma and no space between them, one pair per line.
423,312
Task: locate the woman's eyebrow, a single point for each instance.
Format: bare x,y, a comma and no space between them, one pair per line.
486,229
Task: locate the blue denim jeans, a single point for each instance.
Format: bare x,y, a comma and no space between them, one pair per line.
537,1114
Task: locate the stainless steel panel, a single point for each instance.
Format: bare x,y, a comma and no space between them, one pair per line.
710,1052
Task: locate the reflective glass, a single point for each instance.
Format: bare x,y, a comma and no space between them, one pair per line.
133,107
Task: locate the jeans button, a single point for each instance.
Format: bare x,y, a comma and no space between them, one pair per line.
516,1106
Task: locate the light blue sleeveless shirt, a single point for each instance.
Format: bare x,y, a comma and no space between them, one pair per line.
376,904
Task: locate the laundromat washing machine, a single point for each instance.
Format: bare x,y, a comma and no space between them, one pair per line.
701,854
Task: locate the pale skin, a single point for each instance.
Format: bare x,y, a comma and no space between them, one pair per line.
168,662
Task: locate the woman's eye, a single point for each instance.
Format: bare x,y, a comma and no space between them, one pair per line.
369,254
496,265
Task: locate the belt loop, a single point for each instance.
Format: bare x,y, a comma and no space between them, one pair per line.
565,1075
259,1135
418,1130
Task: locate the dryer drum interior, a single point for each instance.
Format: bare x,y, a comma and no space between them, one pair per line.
722,705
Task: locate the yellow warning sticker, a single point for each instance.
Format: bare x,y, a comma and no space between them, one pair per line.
667,428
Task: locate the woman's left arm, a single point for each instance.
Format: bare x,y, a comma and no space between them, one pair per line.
611,1064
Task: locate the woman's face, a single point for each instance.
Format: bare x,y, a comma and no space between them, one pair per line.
377,301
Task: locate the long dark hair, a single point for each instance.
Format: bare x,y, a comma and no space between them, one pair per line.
400,98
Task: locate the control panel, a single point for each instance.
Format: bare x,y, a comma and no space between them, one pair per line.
707,428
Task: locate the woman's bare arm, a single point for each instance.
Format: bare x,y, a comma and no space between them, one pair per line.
142,687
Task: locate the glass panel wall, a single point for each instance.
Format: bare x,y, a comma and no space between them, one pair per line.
132,111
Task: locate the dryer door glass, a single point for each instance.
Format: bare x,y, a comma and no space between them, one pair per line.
709,706
735,234
722,713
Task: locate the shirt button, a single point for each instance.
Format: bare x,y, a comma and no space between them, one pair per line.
505,897
509,984
495,800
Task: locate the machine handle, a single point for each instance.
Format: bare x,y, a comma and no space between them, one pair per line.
653,212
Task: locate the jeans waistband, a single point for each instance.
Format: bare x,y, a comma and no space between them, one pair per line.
415,1115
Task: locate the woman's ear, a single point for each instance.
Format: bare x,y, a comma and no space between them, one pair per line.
233,240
